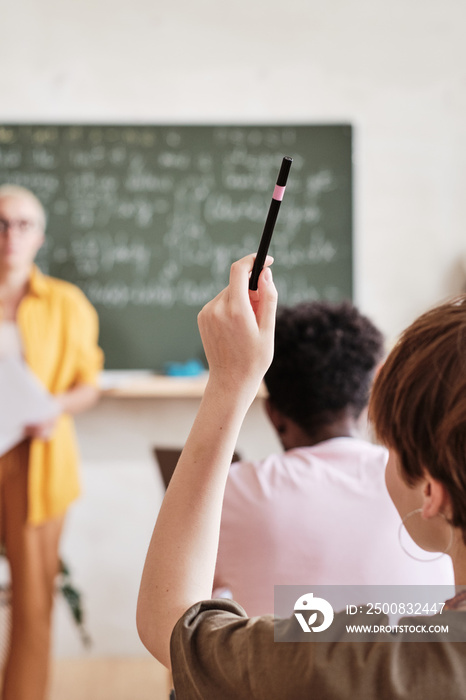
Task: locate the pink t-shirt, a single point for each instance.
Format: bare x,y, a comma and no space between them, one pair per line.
313,515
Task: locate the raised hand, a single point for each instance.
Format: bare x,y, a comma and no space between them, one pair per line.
237,329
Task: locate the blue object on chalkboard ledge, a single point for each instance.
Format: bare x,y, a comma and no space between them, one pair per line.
191,368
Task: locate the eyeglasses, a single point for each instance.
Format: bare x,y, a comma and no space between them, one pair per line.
21,225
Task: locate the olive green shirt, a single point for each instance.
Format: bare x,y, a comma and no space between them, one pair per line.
218,653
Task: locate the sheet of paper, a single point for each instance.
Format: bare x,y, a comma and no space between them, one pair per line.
23,401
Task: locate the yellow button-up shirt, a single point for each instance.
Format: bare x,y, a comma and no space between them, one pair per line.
59,332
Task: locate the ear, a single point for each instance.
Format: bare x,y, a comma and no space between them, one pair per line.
436,499
276,418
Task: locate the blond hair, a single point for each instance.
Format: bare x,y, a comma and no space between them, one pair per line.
10,190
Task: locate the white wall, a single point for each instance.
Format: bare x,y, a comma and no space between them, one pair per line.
396,71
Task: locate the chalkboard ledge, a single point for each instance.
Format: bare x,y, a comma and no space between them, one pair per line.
138,384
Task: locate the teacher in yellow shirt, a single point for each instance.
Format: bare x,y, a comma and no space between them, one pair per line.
51,326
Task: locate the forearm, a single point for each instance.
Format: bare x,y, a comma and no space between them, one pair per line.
181,559
78,399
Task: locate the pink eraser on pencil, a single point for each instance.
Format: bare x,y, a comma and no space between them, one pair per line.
278,193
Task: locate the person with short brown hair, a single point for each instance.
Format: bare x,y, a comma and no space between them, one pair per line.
214,649
418,408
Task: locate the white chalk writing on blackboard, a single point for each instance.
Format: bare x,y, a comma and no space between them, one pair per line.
150,218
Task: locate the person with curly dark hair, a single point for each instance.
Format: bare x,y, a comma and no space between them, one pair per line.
307,510
322,370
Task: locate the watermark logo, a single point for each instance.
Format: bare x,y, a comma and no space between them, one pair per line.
308,604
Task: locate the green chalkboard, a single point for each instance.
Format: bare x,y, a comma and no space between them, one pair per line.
147,219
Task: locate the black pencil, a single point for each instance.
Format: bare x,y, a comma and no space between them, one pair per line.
274,208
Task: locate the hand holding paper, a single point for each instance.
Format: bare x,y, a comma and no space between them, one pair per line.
42,430
26,407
